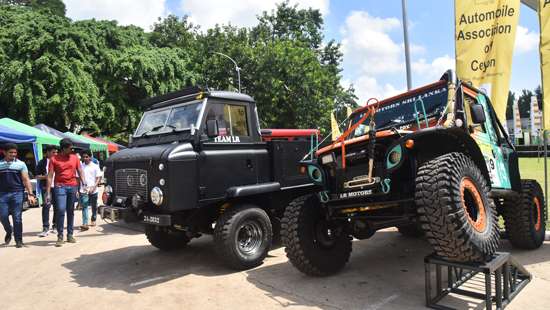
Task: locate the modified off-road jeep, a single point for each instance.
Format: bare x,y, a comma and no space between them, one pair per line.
198,163
434,161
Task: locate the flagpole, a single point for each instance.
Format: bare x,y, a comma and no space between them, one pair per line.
544,132
406,42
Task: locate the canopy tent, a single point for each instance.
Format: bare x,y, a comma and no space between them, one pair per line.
42,138
14,136
111,146
11,135
95,146
77,143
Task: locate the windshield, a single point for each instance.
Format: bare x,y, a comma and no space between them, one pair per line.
401,113
169,120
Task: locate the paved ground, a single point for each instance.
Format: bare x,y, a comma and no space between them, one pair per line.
113,267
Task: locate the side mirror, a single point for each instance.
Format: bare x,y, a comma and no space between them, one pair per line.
478,114
212,129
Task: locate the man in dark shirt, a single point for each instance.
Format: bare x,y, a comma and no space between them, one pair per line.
14,178
42,177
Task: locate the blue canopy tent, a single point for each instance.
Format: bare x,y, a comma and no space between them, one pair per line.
10,135
13,136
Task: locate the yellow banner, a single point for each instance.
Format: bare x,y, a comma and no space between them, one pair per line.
334,127
485,31
544,19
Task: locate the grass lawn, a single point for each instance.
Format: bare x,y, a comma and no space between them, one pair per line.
533,168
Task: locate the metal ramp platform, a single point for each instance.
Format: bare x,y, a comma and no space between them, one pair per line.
502,274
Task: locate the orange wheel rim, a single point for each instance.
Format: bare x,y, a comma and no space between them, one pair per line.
473,205
538,223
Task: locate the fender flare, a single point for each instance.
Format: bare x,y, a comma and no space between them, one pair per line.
433,142
250,190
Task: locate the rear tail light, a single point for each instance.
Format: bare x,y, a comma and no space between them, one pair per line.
107,195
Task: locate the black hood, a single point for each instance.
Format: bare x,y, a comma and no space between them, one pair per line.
143,153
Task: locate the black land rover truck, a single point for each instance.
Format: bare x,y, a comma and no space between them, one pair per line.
199,163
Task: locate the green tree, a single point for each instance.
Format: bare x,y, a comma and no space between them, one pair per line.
509,105
174,32
45,76
56,7
524,103
538,93
92,74
81,74
287,22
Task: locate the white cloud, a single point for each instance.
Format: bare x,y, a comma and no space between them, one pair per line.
208,13
142,13
416,49
370,52
430,71
526,40
372,56
367,45
367,87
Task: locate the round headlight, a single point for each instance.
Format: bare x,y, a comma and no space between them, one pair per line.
161,167
394,156
162,182
315,173
156,196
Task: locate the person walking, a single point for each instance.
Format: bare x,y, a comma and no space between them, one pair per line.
42,177
65,166
88,194
14,179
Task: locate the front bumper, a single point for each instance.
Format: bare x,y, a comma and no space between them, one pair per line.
118,213
112,213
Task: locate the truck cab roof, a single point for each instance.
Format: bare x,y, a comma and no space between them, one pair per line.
192,93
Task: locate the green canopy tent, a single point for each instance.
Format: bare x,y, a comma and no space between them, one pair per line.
42,138
95,146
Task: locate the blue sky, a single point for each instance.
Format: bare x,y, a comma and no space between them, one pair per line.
370,32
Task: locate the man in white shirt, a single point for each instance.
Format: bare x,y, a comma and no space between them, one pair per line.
88,195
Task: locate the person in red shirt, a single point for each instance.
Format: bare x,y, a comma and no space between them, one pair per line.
66,167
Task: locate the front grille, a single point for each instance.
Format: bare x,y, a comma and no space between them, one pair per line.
129,182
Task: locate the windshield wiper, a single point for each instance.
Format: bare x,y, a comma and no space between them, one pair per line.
151,130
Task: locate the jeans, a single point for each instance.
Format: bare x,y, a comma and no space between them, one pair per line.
46,211
88,200
65,197
12,203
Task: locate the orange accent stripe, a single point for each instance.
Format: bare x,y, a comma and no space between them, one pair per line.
379,134
470,92
538,224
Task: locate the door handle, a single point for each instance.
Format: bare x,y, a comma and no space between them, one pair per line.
249,164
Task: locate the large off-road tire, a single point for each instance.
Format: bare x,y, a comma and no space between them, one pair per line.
313,245
166,239
411,230
243,236
459,218
525,216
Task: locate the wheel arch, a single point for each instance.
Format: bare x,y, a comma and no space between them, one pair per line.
433,142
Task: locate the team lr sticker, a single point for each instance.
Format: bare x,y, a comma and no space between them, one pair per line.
366,192
227,139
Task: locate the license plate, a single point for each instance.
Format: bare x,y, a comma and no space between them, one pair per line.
159,220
